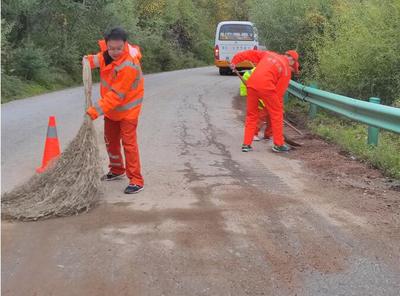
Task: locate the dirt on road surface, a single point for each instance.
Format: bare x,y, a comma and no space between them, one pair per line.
213,220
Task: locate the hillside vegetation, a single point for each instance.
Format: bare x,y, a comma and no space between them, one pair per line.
43,41
347,46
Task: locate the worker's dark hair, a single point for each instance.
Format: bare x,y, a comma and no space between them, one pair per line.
116,33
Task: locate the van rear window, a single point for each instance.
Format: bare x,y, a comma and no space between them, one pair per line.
236,32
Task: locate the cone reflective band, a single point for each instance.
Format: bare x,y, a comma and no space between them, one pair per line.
51,147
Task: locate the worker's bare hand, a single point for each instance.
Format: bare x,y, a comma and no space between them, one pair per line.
232,66
85,58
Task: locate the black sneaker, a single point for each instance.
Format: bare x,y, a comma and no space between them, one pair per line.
246,148
111,177
133,188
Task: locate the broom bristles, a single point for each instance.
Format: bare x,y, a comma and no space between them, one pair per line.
69,186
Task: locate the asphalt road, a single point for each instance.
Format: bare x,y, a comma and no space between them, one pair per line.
211,220
24,126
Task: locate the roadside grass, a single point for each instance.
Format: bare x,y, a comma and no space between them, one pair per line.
29,89
14,88
352,138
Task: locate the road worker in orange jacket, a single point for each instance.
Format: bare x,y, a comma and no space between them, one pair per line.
263,117
121,90
269,82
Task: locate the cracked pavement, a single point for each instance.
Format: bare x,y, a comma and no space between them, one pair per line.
211,220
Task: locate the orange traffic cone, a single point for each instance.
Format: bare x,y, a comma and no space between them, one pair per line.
52,146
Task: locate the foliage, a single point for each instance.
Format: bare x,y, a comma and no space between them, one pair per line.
292,24
43,41
14,88
359,53
347,46
32,61
350,47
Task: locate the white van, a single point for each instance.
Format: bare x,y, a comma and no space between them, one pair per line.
230,38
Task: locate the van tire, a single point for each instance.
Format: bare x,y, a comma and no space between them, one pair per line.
224,71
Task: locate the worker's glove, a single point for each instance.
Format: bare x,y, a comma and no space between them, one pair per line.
92,113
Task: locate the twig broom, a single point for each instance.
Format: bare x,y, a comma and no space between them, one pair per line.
70,185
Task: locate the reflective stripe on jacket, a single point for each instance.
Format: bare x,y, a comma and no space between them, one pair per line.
121,86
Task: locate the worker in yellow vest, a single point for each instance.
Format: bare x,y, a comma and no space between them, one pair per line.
262,111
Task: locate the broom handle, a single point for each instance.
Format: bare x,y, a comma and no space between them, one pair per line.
285,121
240,76
293,128
87,82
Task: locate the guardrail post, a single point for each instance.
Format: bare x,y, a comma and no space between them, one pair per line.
286,98
313,108
373,132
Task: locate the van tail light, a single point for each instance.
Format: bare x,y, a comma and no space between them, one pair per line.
255,47
216,52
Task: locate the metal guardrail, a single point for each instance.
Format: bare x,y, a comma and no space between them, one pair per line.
371,113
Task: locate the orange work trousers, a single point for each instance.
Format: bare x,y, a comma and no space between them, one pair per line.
263,118
125,130
275,111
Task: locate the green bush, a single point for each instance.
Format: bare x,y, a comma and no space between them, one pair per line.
359,54
31,63
289,24
11,87
14,88
68,59
50,40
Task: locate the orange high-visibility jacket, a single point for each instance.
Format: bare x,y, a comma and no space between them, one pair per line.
271,77
121,86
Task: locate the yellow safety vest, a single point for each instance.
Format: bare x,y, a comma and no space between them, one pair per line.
243,88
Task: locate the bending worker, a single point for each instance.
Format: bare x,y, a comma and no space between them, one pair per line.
269,82
121,89
263,116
